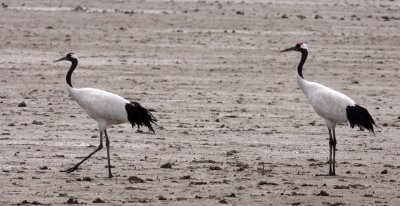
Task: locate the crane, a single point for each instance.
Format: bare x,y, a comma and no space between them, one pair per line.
333,106
107,109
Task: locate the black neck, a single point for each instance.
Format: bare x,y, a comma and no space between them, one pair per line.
74,63
304,54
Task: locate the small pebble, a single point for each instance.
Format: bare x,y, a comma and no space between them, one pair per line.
37,122
223,202
22,104
231,195
44,168
322,193
167,165
240,12
71,200
134,179
317,16
215,168
87,179
98,200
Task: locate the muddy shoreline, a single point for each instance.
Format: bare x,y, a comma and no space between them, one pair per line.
232,121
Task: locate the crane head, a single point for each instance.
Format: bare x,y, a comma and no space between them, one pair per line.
69,57
299,47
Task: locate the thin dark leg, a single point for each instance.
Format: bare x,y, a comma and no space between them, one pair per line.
96,150
331,172
108,154
334,151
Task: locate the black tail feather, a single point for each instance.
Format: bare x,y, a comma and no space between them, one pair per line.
359,116
138,115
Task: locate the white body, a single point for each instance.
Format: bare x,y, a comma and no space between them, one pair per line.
104,107
326,102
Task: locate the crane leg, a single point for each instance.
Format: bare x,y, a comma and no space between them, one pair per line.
334,151
108,154
331,154
96,150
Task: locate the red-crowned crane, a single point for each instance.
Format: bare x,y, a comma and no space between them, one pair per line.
333,106
106,108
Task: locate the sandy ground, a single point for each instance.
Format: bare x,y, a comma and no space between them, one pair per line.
232,120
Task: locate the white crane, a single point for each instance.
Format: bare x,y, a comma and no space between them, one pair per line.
333,106
107,109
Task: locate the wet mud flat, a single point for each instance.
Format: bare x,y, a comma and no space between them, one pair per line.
234,128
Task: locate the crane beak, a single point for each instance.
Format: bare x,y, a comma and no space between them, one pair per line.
64,58
290,49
